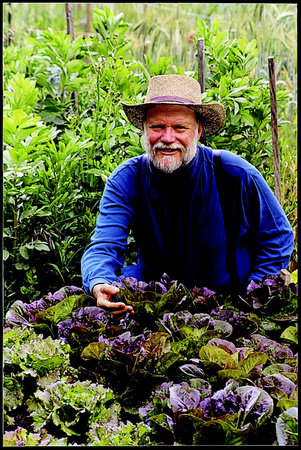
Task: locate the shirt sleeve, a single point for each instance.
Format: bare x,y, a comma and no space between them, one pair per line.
274,238
104,256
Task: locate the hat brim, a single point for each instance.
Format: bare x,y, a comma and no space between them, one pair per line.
211,115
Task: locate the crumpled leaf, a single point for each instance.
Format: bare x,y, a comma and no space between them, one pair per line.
63,310
278,381
183,397
222,402
21,313
84,325
244,367
65,404
256,406
118,434
272,348
290,334
287,427
21,437
213,356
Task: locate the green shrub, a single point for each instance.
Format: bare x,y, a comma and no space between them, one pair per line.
60,148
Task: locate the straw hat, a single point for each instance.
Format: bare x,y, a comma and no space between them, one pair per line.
177,90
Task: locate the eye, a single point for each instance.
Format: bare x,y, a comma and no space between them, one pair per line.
157,127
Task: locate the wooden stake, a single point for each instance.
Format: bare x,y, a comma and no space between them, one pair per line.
9,17
88,18
201,61
69,18
70,30
286,276
274,123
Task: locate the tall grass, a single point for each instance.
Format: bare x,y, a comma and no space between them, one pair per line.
167,27
163,29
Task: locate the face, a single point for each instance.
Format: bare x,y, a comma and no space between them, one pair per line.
171,136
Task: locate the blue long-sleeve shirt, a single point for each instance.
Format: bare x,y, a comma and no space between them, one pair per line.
179,227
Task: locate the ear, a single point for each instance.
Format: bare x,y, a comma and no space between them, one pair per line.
200,128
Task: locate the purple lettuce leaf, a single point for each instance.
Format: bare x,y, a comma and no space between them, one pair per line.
86,320
224,344
183,397
126,343
270,295
273,349
241,322
277,381
24,313
222,402
173,322
205,300
256,406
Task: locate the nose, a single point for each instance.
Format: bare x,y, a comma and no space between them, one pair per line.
167,135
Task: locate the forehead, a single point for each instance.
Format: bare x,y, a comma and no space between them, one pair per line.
170,112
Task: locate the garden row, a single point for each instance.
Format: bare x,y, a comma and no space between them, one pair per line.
191,367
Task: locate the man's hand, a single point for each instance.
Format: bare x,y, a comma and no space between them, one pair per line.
104,295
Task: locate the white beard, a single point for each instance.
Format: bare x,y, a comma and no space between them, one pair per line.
168,164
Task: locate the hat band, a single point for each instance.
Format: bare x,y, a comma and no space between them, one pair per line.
170,99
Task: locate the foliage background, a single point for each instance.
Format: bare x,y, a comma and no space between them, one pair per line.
64,131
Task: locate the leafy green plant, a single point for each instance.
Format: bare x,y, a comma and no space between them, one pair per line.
230,81
181,378
287,427
30,360
24,136
22,437
124,434
21,94
62,66
72,407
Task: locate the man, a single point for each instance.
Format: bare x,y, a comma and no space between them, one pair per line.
215,225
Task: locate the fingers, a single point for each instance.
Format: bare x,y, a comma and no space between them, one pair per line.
104,294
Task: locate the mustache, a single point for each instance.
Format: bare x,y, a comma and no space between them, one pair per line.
168,147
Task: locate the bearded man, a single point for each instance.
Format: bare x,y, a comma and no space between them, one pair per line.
204,218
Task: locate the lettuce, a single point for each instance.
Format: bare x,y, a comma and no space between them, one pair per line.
190,367
36,356
83,326
277,381
21,313
30,360
271,296
231,413
287,427
276,351
21,437
151,300
72,407
125,434
183,397
133,363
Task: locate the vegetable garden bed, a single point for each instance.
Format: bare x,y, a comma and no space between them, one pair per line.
192,367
